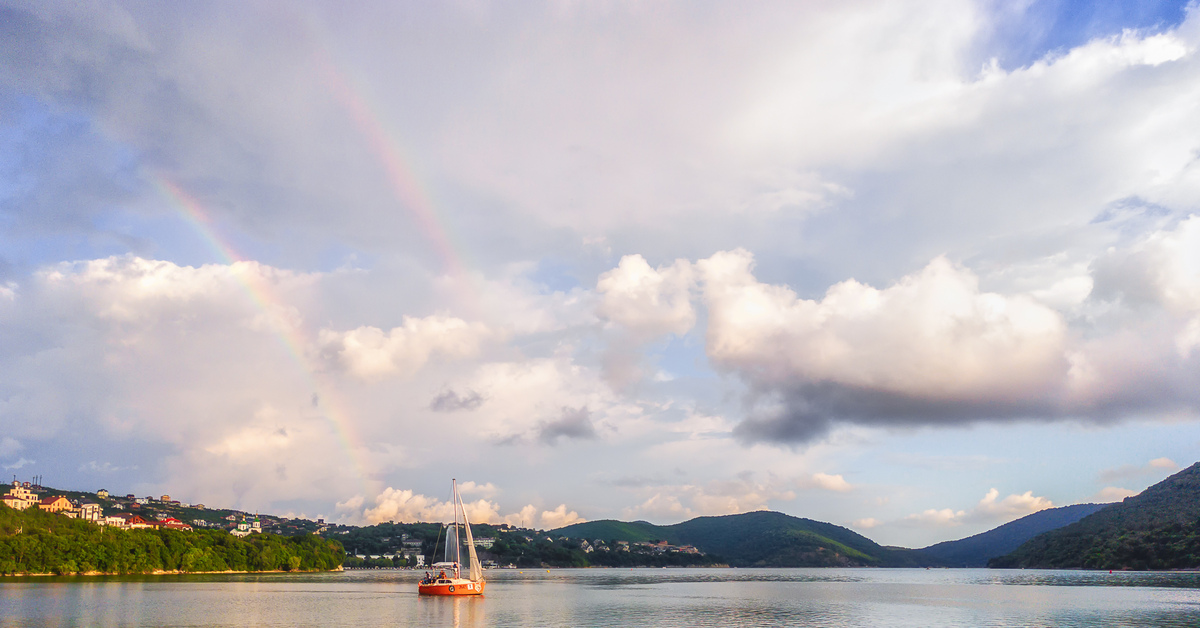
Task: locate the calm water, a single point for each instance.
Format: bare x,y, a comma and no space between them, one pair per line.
612,597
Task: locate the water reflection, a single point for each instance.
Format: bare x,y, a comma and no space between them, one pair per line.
612,597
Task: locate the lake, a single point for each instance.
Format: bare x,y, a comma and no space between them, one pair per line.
617,597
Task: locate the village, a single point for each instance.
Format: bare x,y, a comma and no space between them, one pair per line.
129,512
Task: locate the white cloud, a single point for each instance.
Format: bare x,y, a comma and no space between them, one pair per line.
933,334
674,503
407,506
990,510
1113,494
559,517
831,482
371,353
648,301
865,524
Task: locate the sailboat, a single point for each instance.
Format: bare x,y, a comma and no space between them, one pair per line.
447,578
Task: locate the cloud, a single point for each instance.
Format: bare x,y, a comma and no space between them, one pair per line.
932,344
407,506
472,488
104,467
559,517
23,462
649,302
674,503
1113,494
1128,471
371,354
575,423
450,401
865,524
990,509
831,482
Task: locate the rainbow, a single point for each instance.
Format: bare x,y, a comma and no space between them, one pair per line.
327,402
406,186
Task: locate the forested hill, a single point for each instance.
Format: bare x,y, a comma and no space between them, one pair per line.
32,541
1156,529
975,551
759,539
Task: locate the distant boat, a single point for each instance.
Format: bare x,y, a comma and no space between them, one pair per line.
447,578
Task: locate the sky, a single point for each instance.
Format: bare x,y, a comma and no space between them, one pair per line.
913,268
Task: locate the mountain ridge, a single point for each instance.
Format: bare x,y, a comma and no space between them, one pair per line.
1158,528
760,539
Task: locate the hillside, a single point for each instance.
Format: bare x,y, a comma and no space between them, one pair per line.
974,551
759,539
32,541
1156,529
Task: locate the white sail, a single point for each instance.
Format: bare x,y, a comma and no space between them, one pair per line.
476,572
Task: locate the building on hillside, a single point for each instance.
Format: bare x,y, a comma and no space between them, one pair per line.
90,512
57,503
132,522
116,521
165,498
486,542
102,493
19,497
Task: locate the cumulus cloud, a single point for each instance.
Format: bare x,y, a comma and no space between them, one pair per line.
371,353
831,482
408,506
934,347
865,524
989,509
672,503
647,301
932,344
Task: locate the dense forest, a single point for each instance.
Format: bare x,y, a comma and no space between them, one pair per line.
1156,529
32,541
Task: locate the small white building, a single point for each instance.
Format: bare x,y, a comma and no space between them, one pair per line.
90,512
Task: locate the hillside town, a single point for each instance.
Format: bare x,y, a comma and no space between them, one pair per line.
130,512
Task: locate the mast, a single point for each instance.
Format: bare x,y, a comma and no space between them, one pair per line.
457,505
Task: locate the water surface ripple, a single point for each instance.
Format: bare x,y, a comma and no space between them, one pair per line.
727,598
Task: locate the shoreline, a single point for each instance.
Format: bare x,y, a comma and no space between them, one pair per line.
160,572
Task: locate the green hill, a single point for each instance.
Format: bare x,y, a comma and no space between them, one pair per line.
759,539
1156,529
32,541
975,551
